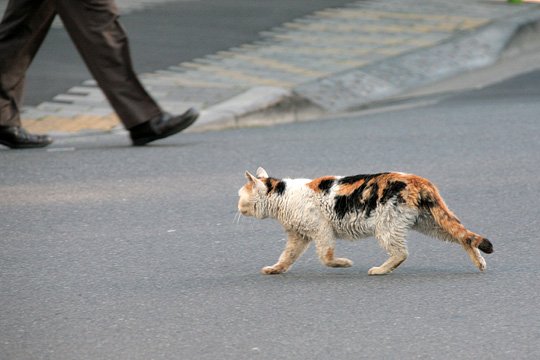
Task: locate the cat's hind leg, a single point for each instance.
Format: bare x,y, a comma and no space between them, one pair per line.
391,237
477,259
296,245
455,232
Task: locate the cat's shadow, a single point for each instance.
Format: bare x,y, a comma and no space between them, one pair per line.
359,275
339,279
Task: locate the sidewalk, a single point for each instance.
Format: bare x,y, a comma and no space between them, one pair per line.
332,61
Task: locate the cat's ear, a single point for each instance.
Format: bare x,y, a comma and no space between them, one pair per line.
261,173
253,179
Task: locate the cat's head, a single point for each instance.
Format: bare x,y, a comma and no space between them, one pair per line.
253,195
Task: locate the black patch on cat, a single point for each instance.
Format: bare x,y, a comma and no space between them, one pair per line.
393,189
486,246
354,178
269,185
355,202
280,187
371,202
275,185
342,206
426,202
325,185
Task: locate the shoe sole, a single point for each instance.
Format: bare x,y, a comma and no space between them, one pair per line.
143,141
24,146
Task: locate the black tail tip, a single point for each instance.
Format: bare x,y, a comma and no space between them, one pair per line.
486,246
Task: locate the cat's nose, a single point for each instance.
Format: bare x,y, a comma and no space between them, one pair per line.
243,210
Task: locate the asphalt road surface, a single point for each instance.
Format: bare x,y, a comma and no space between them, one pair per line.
114,252
165,35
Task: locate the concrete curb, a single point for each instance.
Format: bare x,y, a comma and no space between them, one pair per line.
259,106
371,84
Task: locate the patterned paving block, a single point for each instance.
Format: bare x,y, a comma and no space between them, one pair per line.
326,42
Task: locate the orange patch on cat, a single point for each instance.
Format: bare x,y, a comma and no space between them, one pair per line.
273,182
329,254
417,187
315,183
384,180
348,189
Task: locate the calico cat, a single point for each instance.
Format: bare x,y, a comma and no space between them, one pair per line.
384,205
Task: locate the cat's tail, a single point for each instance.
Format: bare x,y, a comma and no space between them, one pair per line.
450,227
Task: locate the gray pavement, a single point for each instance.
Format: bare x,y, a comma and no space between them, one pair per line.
114,252
333,60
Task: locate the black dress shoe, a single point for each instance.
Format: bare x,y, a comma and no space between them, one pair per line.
16,137
162,126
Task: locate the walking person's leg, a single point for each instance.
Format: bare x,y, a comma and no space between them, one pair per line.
100,39
22,31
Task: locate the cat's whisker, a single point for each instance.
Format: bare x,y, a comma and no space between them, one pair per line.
236,218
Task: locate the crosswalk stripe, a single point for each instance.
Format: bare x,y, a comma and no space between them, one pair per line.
239,76
360,13
374,28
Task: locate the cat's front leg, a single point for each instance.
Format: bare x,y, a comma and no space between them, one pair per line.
296,245
325,249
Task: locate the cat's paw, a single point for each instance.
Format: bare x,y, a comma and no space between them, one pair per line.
378,270
481,264
272,270
342,262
